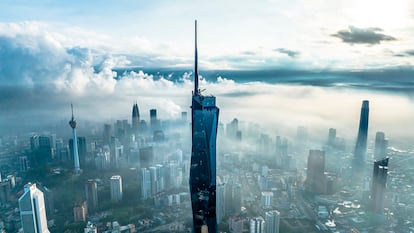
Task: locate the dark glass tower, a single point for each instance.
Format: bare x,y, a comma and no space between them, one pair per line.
379,184
135,118
203,156
361,143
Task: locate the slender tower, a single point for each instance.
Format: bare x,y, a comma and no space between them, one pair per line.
361,143
203,156
72,124
135,118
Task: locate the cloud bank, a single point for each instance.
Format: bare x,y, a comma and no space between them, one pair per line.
43,73
354,35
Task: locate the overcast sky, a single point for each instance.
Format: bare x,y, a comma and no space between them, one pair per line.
338,34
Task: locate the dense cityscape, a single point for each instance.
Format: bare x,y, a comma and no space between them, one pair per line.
134,178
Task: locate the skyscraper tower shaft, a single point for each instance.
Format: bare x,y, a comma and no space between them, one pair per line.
32,210
203,156
361,143
135,118
379,184
72,124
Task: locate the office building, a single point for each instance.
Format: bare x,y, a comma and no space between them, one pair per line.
32,210
381,144
361,143
91,190
272,219
145,184
331,136
379,185
267,199
257,225
204,115
80,211
116,188
153,119
315,173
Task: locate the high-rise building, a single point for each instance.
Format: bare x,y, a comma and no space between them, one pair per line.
72,124
257,225
184,117
379,185
237,199
267,199
135,118
381,144
80,211
107,134
116,188
24,163
146,156
361,143
91,190
153,119
315,174
232,128
331,136
272,221
204,114
32,210
145,184
220,202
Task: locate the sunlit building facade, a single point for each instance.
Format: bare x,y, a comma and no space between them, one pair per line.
32,210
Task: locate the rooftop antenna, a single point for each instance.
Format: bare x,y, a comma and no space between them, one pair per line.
195,63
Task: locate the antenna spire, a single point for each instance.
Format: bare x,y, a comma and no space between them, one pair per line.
71,106
195,61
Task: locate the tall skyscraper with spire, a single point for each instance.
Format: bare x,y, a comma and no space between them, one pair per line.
361,143
204,114
135,118
72,124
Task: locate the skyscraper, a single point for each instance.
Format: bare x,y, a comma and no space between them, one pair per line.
72,124
315,174
153,119
381,145
272,221
91,190
379,184
257,225
135,118
331,136
32,210
145,184
116,188
361,143
204,114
